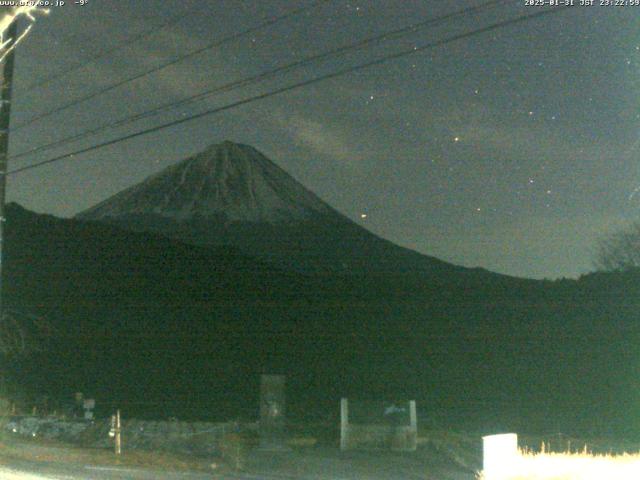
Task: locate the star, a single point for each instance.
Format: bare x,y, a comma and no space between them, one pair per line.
456,139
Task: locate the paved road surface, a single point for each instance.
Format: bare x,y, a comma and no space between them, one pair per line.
26,470
23,472
316,465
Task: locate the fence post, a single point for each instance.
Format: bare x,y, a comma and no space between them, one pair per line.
344,424
413,422
413,416
118,436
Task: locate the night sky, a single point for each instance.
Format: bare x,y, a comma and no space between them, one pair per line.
514,150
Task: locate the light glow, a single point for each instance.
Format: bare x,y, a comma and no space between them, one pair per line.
569,466
8,19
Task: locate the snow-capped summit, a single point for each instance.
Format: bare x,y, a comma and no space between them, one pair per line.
232,195
226,181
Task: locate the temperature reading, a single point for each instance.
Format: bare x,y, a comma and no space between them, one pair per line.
81,2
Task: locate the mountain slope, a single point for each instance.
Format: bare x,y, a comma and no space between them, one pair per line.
231,194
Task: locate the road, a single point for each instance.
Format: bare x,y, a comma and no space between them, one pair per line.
22,470
314,464
29,470
115,473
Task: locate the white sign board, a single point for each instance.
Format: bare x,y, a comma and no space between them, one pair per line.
500,453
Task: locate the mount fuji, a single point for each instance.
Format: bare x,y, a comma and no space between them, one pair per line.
232,195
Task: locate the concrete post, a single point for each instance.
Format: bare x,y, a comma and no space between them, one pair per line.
413,416
118,434
413,422
344,424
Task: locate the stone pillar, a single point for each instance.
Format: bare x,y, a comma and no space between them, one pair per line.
272,412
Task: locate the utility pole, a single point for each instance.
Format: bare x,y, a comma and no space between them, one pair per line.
5,116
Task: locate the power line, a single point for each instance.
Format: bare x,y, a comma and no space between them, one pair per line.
162,66
305,83
122,45
264,75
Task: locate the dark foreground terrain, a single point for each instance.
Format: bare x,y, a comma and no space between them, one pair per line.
163,329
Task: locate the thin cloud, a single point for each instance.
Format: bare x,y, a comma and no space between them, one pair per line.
324,139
